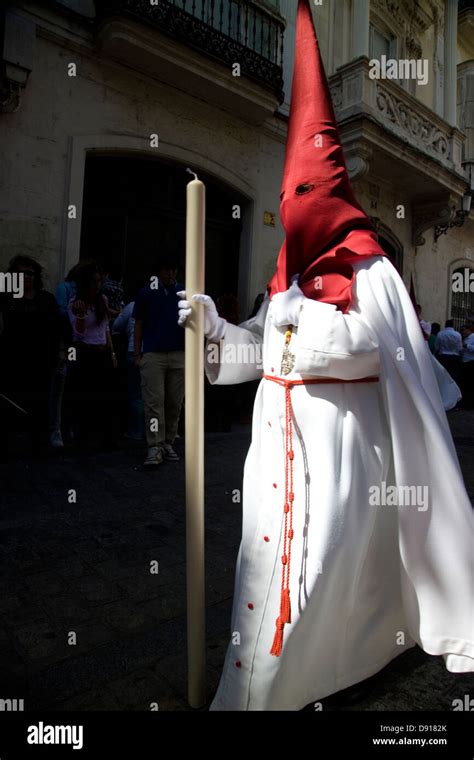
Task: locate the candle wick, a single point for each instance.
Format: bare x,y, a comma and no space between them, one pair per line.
191,172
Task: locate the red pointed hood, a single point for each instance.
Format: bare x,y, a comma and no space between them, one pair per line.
325,226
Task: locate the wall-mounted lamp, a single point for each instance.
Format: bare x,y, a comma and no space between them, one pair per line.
459,216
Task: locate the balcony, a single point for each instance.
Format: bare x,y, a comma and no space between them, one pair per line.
406,122
195,44
387,130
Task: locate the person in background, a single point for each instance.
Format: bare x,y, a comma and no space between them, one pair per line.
125,323
425,326
467,333
159,354
112,289
448,347
30,344
67,289
64,292
467,369
89,373
435,328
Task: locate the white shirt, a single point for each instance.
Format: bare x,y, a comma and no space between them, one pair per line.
449,342
425,326
468,353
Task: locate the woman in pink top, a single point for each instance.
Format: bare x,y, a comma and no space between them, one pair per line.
93,359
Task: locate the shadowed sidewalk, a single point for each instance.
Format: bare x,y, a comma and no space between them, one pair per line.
80,571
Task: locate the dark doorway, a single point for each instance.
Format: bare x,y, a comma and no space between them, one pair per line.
135,208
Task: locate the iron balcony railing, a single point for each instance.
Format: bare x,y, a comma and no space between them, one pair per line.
231,31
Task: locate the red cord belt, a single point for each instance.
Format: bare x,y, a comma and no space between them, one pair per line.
285,605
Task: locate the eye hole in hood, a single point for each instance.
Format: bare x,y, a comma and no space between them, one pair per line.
302,189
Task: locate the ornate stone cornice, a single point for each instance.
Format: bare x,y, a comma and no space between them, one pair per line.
389,11
358,161
420,15
399,113
413,14
413,47
430,215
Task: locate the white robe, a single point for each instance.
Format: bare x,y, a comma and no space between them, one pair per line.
367,582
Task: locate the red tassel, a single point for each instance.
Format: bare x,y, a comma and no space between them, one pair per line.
278,639
285,606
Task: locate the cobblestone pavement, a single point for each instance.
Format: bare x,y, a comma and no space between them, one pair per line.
83,568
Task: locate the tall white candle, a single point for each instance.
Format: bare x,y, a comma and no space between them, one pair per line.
194,444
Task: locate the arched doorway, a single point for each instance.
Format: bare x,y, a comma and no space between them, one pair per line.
391,245
134,209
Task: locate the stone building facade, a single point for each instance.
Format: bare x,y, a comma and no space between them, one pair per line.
105,105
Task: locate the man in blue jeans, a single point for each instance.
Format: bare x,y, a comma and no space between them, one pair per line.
161,361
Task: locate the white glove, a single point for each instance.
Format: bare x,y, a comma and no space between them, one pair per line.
285,307
214,325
